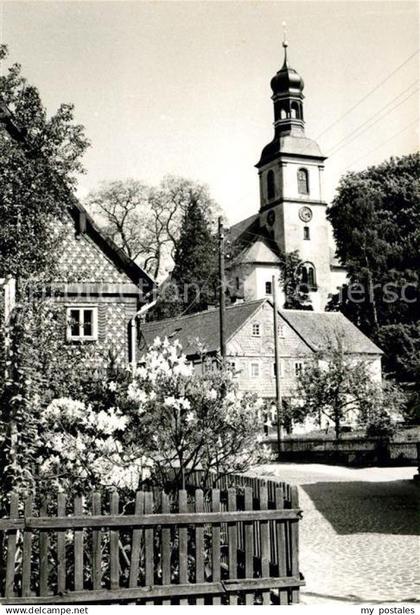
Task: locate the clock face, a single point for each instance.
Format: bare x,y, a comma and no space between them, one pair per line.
271,217
305,214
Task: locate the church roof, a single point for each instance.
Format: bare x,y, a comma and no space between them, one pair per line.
290,145
317,329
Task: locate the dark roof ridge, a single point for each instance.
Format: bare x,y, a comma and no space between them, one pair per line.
209,311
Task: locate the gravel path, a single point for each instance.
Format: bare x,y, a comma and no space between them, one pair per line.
359,537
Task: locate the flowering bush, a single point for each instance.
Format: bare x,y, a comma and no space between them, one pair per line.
182,421
165,422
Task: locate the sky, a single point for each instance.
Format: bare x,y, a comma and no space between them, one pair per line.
184,87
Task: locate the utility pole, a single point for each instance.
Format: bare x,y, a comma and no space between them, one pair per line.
279,409
222,286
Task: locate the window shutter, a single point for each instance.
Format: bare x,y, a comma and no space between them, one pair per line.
101,322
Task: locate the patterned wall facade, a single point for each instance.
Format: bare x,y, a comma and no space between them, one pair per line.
95,281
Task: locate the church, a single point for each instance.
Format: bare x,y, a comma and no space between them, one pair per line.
292,214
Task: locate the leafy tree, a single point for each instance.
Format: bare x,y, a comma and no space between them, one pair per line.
39,157
194,280
146,221
336,386
376,222
295,291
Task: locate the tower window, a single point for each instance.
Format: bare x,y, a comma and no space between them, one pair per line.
303,181
306,232
283,114
268,289
271,188
295,110
308,275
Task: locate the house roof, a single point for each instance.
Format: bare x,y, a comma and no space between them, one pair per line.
320,329
199,330
317,329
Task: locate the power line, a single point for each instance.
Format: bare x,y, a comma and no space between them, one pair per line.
383,142
374,89
372,124
344,139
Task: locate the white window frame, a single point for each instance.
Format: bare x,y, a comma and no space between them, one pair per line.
254,364
256,329
281,330
81,337
302,368
281,369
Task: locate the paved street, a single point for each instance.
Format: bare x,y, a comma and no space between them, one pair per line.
359,536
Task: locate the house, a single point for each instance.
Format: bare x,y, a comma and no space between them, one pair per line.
292,212
99,288
250,343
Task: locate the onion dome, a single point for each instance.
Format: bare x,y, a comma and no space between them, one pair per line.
286,80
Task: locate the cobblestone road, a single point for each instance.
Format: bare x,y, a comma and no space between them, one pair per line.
359,537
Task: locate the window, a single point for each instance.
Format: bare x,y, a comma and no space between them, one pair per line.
238,283
256,330
268,289
283,114
306,232
308,275
271,187
255,370
281,330
281,369
82,324
298,368
303,181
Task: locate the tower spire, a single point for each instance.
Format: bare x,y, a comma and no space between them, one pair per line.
285,43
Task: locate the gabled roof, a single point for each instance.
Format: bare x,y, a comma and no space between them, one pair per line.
321,329
201,329
317,329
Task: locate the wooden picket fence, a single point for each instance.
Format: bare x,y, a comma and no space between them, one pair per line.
229,545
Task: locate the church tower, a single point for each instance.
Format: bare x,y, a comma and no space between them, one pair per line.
292,209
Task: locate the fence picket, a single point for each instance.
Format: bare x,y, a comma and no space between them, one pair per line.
26,552
61,546
43,554
233,543
249,544
264,543
294,543
136,543
280,530
78,546
96,544
199,543
166,546
11,548
215,506
183,544
149,549
114,546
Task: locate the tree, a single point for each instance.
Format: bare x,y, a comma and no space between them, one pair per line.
39,158
339,387
295,291
146,221
193,283
376,222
